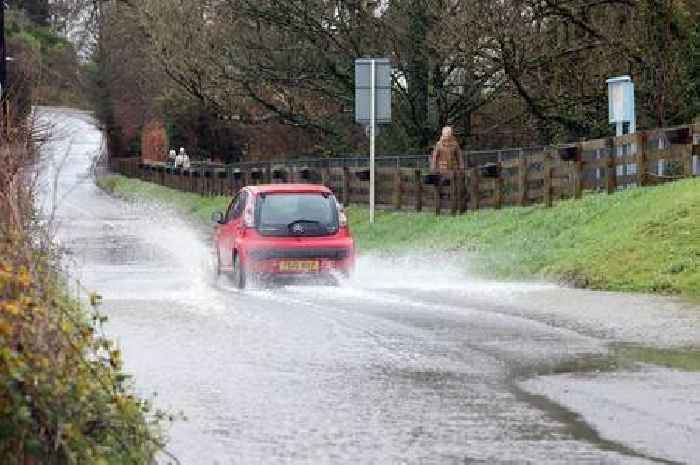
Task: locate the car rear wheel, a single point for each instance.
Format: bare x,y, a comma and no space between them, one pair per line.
239,273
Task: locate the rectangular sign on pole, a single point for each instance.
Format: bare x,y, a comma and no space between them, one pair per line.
620,111
621,101
372,105
363,87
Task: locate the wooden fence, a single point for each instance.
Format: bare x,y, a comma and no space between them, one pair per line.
499,178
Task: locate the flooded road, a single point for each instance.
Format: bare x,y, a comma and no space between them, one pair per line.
411,362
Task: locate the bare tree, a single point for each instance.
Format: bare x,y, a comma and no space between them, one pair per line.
534,64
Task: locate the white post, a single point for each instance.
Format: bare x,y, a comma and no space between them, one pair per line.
371,140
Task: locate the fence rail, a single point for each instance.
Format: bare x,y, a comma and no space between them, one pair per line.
497,178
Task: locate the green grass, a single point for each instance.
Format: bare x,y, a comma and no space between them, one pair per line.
641,240
686,360
198,206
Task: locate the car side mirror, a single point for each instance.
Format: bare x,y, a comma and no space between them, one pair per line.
217,217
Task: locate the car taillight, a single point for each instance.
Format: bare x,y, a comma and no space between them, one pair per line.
342,218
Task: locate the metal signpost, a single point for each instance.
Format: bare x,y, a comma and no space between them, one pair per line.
372,106
620,111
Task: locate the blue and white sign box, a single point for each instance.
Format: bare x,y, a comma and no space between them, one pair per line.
382,90
621,100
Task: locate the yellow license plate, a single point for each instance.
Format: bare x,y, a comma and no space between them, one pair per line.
299,265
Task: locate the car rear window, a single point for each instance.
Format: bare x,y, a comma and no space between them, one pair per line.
296,214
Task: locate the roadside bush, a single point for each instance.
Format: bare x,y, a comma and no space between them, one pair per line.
64,398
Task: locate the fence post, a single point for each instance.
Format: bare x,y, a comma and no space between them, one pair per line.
474,181
461,191
498,189
454,189
419,190
398,188
548,178
522,179
578,176
560,164
611,174
346,185
244,176
437,191
688,159
641,159
233,183
695,150
324,176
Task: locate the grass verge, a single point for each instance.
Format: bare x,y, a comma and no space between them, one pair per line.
686,360
198,206
640,240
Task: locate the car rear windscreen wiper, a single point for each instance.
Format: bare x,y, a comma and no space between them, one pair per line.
303,221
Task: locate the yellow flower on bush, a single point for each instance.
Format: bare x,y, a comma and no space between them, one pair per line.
5,328
12,308
24,278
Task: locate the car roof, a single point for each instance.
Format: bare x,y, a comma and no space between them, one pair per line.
289,189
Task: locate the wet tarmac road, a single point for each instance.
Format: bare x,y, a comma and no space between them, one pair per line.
411,362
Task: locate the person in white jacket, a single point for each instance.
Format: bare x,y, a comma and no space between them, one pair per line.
185,161
180,158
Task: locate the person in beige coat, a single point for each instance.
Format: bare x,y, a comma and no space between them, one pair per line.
447,156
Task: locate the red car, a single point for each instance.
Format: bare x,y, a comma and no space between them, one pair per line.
283,230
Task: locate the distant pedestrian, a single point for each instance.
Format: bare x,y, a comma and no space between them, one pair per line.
179,158
171,156
447,156
185,161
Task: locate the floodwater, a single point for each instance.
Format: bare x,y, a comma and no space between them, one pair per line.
412,361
